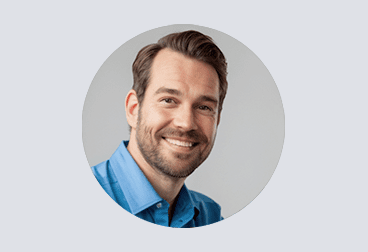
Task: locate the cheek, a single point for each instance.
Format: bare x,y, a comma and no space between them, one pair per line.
155,118
209,127
213,130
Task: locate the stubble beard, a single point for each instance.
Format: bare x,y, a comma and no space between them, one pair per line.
153,152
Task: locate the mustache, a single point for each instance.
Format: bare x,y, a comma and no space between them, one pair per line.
192,135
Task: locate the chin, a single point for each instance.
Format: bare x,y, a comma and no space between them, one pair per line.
177,167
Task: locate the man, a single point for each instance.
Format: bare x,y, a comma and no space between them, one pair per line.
173,111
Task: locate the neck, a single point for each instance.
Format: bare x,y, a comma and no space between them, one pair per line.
167,187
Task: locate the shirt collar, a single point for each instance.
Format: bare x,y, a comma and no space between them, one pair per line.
137,190
185,199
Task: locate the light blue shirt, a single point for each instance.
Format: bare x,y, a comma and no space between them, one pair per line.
124,181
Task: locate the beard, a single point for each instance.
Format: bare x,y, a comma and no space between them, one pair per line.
172,164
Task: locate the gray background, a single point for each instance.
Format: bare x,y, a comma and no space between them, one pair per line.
251,131
317,53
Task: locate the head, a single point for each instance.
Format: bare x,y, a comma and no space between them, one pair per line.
175,105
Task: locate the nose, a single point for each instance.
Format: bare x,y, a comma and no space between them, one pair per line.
185,119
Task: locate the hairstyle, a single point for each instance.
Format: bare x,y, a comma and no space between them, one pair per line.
190,43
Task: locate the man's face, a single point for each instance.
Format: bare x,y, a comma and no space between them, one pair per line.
178,117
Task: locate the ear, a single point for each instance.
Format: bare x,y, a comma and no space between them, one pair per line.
131,108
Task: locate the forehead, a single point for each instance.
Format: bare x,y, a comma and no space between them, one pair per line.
175,70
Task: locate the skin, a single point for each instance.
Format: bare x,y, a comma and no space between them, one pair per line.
180,107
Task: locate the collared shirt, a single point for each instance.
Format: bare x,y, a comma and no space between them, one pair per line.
124,181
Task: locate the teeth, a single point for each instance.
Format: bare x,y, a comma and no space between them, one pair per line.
179,143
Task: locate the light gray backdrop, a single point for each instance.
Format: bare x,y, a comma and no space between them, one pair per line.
317,198
250,135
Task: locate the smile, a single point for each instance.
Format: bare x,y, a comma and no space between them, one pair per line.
180,143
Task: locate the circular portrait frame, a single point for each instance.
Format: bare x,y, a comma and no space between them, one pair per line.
250,135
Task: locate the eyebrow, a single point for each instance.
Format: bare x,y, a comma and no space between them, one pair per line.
168,90
202,98
208,99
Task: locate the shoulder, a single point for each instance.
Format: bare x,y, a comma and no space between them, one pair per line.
208,208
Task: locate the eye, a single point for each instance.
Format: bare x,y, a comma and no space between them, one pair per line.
203,107
168,100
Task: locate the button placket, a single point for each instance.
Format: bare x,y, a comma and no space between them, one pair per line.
160,211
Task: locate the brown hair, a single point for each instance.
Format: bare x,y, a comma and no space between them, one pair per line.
190,43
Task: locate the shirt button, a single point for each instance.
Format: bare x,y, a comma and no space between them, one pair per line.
159,205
